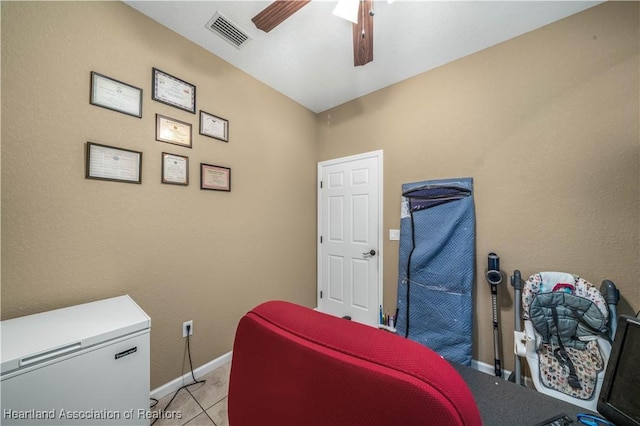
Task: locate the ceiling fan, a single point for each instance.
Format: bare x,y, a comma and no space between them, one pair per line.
362,18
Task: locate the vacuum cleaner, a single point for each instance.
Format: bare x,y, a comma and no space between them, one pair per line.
494,277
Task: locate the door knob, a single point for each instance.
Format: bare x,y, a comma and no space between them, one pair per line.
370,253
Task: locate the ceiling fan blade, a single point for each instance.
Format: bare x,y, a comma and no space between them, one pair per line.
276,12
363,35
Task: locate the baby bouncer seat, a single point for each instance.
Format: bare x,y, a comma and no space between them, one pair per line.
568,327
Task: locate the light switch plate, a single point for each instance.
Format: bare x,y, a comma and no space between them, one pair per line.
394,234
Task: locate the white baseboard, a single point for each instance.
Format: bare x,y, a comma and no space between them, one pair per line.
487,368
483,367
490,369
174,385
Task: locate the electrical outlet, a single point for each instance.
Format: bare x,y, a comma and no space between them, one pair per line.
185,331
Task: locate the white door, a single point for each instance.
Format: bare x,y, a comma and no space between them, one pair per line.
349,237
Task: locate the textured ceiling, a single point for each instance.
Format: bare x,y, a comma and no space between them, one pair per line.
309,57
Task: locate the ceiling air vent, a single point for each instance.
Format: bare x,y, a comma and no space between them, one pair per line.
229,31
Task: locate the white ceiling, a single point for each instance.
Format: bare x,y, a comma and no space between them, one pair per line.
309,57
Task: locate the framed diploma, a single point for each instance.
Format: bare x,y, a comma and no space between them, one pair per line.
214,127
173,131
172,91
111,163
115,95
175,169
216,178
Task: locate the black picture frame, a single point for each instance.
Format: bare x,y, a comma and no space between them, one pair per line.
214,126
179,173
176,132
215,178
173,91
105,162
115,95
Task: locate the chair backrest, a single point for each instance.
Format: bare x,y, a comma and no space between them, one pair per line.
292,365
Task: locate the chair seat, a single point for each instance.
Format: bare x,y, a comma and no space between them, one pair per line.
588,363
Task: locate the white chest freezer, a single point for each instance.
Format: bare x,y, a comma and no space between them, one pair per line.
83,365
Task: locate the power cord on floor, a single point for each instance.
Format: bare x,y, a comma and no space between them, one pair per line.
195,382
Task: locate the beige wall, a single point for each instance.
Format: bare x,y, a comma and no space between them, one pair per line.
180,252
547,125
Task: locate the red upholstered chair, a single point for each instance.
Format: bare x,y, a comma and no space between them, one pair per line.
292,365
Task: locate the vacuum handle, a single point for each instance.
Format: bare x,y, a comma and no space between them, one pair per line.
516,280
494,276
610,292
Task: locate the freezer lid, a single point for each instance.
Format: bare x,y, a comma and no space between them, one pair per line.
34,338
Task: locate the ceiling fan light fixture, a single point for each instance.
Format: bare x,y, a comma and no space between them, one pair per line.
347,9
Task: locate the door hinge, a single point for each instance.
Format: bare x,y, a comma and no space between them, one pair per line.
320,184
320,239
320,294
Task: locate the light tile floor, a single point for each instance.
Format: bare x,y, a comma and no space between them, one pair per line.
199,404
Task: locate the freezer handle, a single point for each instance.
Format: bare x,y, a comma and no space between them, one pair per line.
50,354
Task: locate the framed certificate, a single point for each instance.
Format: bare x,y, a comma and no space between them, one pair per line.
215,178
110,163
214,127
173,131
175,169
173,91
115,95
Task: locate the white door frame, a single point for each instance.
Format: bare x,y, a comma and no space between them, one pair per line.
380,253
